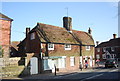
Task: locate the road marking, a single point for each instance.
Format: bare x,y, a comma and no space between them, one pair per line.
98,75
92,77
57,77
113,70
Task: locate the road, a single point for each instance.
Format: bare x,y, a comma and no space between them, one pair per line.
100,74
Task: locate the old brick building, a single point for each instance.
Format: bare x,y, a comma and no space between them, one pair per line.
108,49
60,46
5,34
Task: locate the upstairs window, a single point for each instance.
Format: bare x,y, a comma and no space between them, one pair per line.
50,46
103,56
32,36
104,49
87,47
98,49
112,49
67,47
97,56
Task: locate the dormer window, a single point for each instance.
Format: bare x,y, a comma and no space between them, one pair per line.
87,47
50,46
32,36
67,47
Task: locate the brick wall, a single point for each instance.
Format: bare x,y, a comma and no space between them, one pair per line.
5,32
5,35
60,51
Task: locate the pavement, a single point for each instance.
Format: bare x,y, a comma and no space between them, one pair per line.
52,75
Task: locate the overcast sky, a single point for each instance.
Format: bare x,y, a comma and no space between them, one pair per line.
101,17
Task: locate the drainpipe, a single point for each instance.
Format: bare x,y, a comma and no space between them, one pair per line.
80,50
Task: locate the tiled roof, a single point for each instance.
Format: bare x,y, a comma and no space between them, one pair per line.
14,44
84,37
4,17
57,34
111,42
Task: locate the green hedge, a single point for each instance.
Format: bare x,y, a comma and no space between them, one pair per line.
1,51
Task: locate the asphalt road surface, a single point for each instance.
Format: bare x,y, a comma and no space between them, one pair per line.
101,74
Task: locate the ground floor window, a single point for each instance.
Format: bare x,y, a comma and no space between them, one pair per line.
62,62
47,64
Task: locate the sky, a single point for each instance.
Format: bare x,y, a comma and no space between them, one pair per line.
101,17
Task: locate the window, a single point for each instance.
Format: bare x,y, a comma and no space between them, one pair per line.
98,56
24,48
62,62
98,49
32,36
104,56
67,47
104,49
47,64
87,47
72,61
50,46
112,49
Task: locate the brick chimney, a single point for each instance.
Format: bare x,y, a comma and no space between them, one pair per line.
67,23
27,31
114,36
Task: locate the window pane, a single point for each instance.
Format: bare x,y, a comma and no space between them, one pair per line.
87,47
72,61
50,46
67,47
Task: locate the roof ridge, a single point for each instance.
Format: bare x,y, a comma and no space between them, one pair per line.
2,16
52,25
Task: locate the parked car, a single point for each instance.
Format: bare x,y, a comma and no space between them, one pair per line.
111,63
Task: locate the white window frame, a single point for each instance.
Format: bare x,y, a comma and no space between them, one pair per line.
97,56
47,64
72,61
104,49
103,56
32,36
67,46
50,46
112,49
98,49
62,62
88,48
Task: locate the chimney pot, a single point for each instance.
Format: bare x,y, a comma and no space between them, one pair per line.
114,36
97,42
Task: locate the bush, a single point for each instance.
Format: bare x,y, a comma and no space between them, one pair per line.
1,51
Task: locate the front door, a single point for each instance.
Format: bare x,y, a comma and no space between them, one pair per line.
34,65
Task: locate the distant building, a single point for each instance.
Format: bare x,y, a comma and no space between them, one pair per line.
5,34
60,46
108,49
14,49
